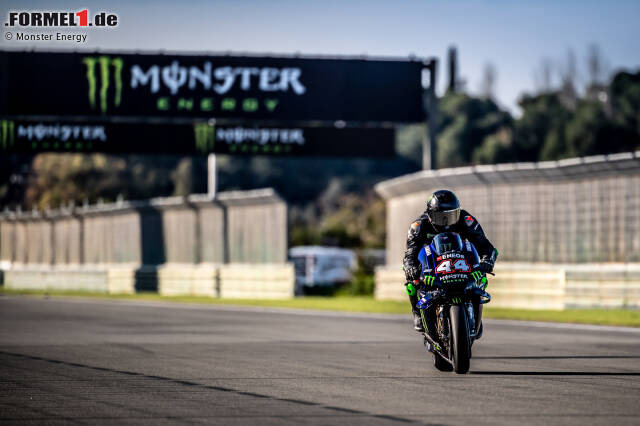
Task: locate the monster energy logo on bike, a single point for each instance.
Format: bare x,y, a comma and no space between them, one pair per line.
104,64
205,137
8,134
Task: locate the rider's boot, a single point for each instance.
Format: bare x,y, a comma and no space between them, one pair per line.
417,319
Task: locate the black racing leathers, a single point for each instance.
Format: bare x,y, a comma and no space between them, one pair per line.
422,232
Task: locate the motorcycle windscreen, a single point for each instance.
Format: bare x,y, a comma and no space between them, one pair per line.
447,242
472,254
423,258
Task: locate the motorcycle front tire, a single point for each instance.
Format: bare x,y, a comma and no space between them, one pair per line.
460,339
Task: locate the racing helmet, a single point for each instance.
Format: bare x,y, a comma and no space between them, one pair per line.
443,209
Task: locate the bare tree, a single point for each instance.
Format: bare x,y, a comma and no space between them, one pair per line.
569,79
488,82
543,76
597,69
596,66
569,73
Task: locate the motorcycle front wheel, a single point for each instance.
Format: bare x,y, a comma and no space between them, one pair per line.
460,347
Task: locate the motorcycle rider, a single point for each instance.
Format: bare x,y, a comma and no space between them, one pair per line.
442,214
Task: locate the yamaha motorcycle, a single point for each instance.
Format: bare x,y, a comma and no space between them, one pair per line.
451,295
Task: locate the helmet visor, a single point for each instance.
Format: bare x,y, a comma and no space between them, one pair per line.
445,218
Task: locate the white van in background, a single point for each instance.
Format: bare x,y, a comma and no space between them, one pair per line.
322,266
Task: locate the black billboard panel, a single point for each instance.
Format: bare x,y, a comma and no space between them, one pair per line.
20,136
234,87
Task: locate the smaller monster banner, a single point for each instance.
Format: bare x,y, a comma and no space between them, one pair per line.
26,136
242,88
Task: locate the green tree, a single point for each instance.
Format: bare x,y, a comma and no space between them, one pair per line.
599,123
536,134
495,148
625,100
624,92
190,176
588,131
57,179
409,140
465,122
554,144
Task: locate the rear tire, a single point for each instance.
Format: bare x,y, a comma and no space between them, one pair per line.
440,363
460,339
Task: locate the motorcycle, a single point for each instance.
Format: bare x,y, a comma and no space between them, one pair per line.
450,300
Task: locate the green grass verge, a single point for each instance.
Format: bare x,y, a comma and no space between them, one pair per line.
338,303
624,317
621,317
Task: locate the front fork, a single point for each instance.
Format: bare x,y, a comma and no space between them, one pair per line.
471,318
474,311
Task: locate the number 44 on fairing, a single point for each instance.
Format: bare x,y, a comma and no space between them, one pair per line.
451,266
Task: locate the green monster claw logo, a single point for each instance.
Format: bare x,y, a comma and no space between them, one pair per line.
205,137
8,133
105,63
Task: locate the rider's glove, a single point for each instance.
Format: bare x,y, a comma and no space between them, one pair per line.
412,287
486,265
412,273
480,279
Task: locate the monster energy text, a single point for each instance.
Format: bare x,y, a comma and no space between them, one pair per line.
62,132
261,136
221,79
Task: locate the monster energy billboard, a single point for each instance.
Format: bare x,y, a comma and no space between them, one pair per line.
25,136
241,88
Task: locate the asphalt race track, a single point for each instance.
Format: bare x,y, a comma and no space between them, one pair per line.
78,361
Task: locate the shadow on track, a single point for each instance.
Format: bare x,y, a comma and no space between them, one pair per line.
210,387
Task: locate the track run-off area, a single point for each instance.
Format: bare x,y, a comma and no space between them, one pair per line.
90,361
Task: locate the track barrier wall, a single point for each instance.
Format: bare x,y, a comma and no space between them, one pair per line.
543,286
176,246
